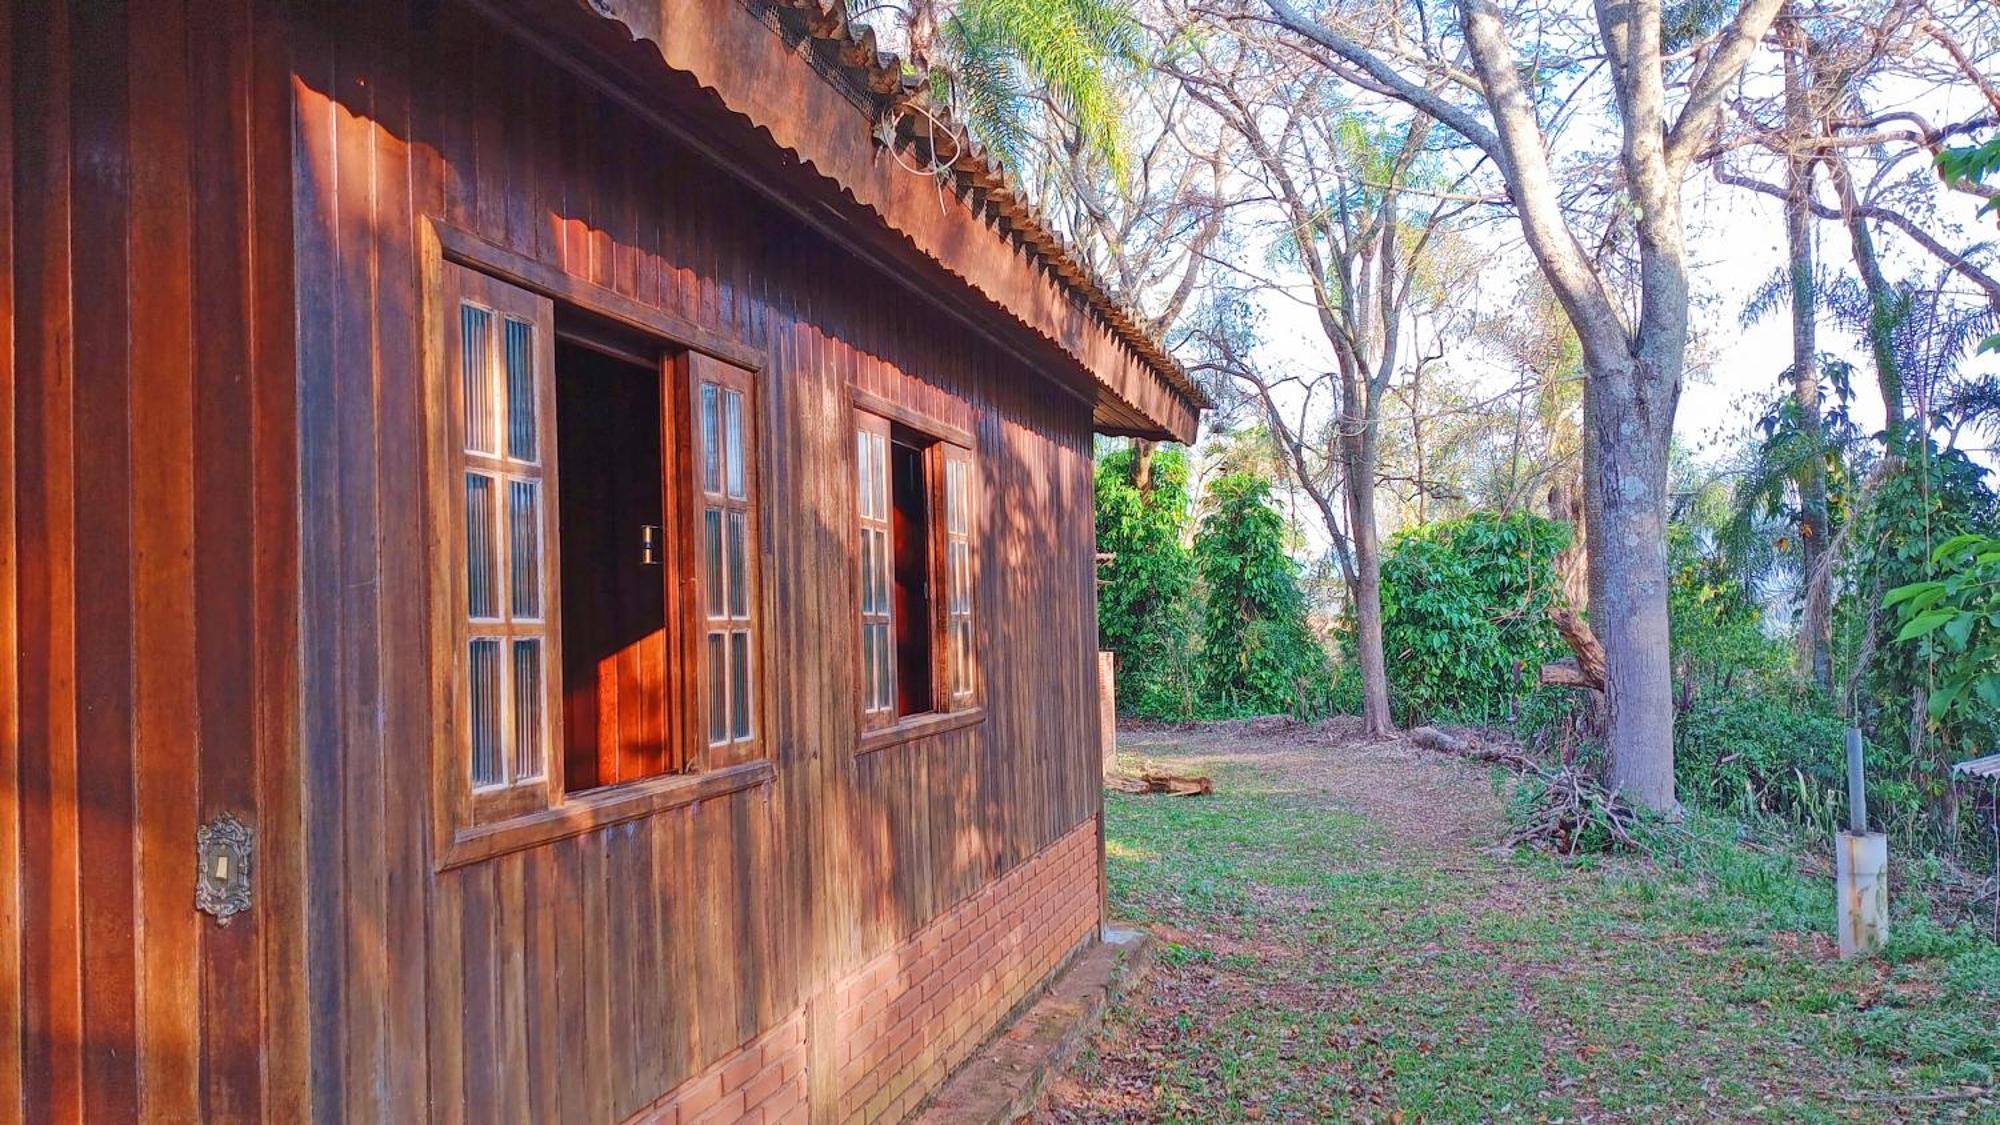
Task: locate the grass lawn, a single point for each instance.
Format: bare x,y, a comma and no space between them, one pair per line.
1339,941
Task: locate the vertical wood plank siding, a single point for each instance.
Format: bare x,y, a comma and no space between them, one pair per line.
647,950
148,531
213,581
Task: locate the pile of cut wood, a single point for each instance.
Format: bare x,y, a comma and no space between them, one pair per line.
1570,811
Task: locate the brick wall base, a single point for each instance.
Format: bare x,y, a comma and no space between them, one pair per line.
764,1081
905,1020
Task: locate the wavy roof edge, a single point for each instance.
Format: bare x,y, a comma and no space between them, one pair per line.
895,96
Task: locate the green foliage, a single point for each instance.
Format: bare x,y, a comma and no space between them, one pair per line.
1717,627
1465,613
1001,53
1258,655
1972,164
1921,497
1768,751
1145,603
1954,620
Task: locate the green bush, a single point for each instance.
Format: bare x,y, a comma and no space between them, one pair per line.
1923,498
1761,751
1465,614
1717,627
1257,654
1146,609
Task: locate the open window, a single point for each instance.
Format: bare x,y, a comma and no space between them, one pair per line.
915,574
597,550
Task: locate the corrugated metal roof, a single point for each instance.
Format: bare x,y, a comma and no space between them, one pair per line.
1987,768
846,52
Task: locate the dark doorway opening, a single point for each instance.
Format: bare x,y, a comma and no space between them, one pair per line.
909,489
612,524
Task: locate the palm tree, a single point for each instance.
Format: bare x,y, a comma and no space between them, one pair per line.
1018,70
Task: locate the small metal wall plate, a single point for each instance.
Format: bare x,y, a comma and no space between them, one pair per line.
223,850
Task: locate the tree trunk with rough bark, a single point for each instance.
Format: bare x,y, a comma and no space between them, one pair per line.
1142,464
1625,501
1361,470
1816,638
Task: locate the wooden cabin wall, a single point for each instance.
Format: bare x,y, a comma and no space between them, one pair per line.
147,563
581,979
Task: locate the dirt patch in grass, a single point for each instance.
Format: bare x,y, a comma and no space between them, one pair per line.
1341,942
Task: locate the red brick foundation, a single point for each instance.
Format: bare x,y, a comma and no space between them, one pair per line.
762,1081
909,1017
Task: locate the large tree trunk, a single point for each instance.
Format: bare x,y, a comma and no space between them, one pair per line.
1626,429
1361,465
1142,464
1814,625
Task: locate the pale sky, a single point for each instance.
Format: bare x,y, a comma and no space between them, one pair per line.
1736,240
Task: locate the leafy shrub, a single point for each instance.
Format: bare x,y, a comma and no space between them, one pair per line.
1257,654
1922,497
1717,627
1759,751
1465,614
1955,620
1145,603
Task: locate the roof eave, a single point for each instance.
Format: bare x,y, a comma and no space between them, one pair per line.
980,233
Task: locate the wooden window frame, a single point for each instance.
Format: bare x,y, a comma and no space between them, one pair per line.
505,466
743,616
951,710
466,826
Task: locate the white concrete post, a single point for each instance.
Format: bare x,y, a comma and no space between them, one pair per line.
1861,882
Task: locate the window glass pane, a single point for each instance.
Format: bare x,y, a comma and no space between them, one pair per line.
739,684
885,671
711,455
476,360
732,444
739,598
519,339
867,571
527,708
965,655
718,693
484,680
881,474
868,667
955,658
882,562
711,522
524,537
953,510
861,486
482,568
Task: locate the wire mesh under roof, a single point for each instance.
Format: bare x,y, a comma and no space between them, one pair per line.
1987,768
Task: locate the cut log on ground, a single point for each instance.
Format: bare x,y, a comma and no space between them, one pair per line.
1431,738
1152,781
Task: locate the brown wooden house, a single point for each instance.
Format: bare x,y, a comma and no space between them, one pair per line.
545,566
